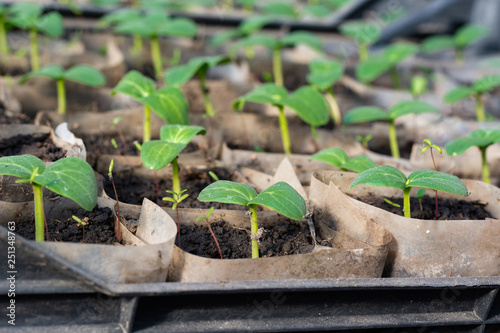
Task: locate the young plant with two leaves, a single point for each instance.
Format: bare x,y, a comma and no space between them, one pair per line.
169,103
199,66
306,101
480,138
386,61
477,90
153,25
338,158
69,177
28,16
372,113
464,37
280,197
324,73
83,74
389,176
365,33
276,45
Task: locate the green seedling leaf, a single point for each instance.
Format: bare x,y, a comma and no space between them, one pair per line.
469,34
180,133
213,175
437,43
438,181
228,192
309,105
73,178
381,176
86,75
267,93
25,14
51,24
332,156
361,31
136,85
280,8
391,203
458,94
420,194
318,10
119,16
178,27
486,84
170,104
411,107
178,76
223,37
397,52
52,71
365,114
257,39
359,164
324,73
429,145
22,166
302,37
282,198
418,85
157,154
370,69
254,23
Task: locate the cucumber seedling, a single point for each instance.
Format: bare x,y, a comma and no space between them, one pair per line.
206,217
477,90
83,74
280,197
428,145
338,158
482,139
386,61
306,101
168,103
176,199
28,16
365,33
464,37
371,113
69,177
389,176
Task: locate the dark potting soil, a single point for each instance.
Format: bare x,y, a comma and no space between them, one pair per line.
40,146
7,117
284,238
133,190
447,209
99,228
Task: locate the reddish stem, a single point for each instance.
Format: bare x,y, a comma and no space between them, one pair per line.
436,196
117,209
215,239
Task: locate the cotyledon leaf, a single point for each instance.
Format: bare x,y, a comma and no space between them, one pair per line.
436,180
284,199
228,192
21,166
384,176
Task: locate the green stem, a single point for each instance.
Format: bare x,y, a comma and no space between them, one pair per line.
460,55
480,114
147,124
39,225
277,67
363,51
61,97
334,107
137,48
407,202
156,56
176,57
4,47
285,136
396,82
35,61
209,110
254,229
176,183
486,169
393,139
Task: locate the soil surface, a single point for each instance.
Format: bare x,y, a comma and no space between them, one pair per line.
99,230
284,238
133,190
8,117
447,209
40,146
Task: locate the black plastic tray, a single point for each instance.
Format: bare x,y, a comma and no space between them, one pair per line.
52,295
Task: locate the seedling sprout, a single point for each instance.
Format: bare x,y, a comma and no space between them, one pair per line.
338,158
429,146
210,228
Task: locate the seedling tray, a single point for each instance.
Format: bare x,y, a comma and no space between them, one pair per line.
52,295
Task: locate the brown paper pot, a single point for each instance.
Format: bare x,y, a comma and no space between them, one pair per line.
9,189
145,258
426,248
361,255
